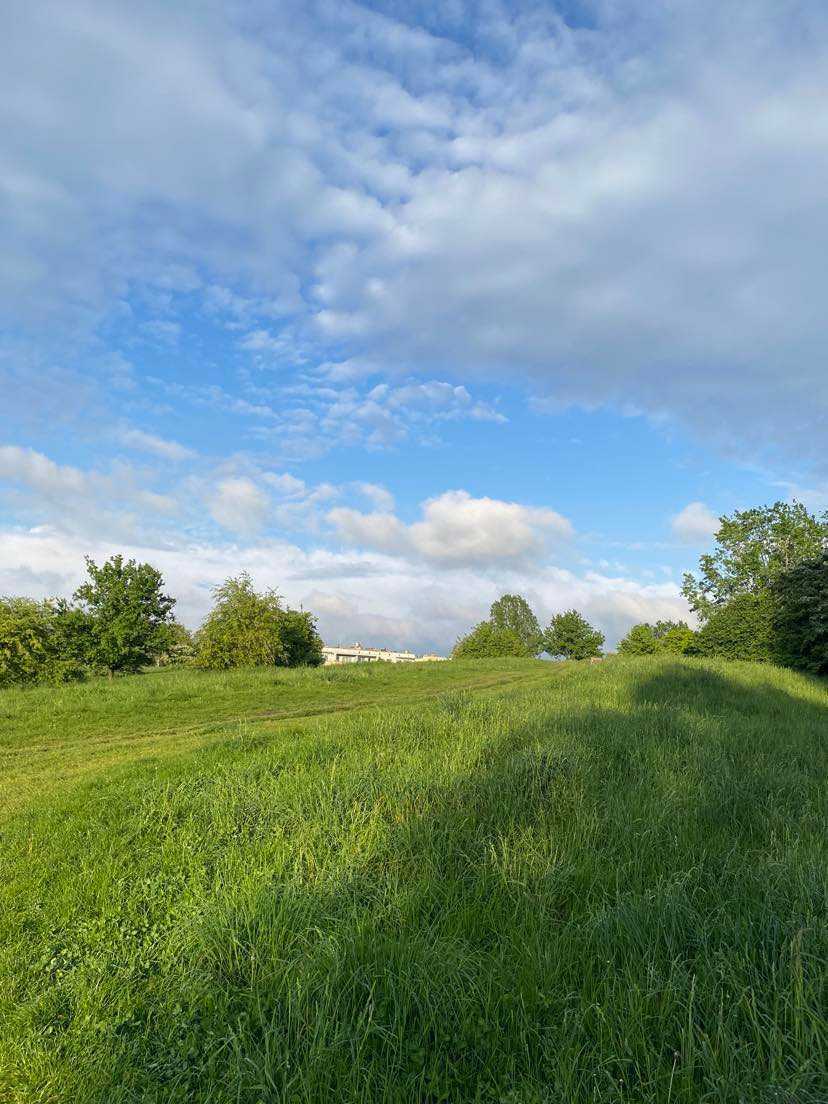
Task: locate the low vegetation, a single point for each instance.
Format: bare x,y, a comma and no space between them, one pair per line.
484,881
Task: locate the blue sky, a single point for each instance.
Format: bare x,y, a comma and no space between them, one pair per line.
402,305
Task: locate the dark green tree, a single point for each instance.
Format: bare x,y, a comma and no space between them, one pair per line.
742,629
801,624
512,611
127,613
570,636
300,640
486,641
754,547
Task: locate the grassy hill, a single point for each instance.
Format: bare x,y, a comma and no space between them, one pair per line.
491,881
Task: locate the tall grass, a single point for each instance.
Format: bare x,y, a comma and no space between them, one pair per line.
599,885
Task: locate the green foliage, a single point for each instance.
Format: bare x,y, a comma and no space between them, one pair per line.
670,637
301,642
742,629
640,640
176,644
754,547
242,629
679,639
247,628
40,642
25,640
486,641
512,611
127,614
801,625
570,636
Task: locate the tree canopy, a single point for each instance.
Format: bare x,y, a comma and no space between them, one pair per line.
671,637
248,628
512,611
570,636
127,613
487,641
753,548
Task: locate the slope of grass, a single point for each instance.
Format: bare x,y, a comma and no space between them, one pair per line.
473,882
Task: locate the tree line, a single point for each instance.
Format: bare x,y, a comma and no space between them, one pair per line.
761,594
120,621
513,630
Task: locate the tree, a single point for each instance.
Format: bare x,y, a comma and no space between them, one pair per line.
39,642
300,640
570,636
242,629
512,611
801,624
127,611
487,641
754,547
742,629
672,637
25,640
640,640
677,640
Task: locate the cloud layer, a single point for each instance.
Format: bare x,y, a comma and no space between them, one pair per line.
629,211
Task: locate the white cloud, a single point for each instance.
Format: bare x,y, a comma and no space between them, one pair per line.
239,505
158,446
380,497
376,598
695,523
456,530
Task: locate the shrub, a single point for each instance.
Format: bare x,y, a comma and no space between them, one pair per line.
486,641
250,629
742,629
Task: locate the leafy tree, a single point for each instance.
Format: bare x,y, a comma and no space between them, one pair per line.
242,629
512,611
677,640
801,625
754,547
487,641
127,613
38,642
570,635
672,637
25,640
742,629
301,642
640,640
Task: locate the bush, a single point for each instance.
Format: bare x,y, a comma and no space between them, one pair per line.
40,642
672,637
486,641
742,629
640,640
251,629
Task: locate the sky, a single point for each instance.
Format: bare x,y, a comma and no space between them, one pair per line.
400,305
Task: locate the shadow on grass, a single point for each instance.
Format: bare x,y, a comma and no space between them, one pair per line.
610,905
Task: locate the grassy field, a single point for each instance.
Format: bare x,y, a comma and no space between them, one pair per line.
501,881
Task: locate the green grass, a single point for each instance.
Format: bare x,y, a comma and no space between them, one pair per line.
493,881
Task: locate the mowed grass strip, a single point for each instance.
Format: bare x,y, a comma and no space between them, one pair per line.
607,885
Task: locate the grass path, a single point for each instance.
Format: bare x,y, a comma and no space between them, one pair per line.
52,737
502,883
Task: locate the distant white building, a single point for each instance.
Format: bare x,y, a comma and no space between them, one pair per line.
358,653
